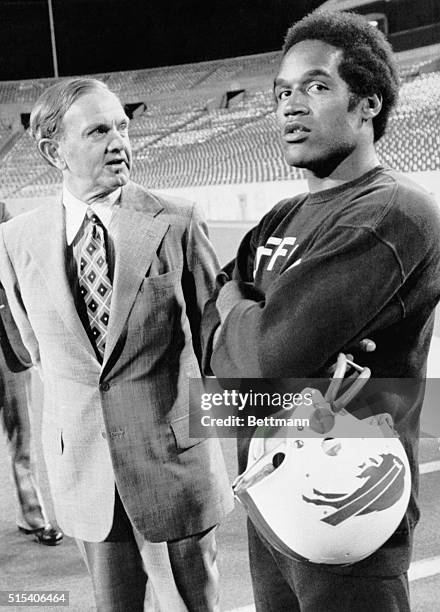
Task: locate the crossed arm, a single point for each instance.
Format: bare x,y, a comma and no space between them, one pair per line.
309,314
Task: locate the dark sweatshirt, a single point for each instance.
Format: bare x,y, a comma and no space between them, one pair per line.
320,272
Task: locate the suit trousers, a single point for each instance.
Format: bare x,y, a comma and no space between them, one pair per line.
281,584
15,397
130,574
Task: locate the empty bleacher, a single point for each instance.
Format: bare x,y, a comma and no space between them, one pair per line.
412,141
6,131
186,138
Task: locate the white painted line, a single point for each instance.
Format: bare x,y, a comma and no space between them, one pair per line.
428,467
424,568
244,609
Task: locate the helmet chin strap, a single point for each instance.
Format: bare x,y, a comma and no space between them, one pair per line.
362,377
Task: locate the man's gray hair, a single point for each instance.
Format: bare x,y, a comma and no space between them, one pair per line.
50,108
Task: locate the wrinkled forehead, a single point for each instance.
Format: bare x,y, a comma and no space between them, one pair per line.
92,106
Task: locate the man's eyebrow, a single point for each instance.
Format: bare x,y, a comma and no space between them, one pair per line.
102,123
94,124
277,82
311,74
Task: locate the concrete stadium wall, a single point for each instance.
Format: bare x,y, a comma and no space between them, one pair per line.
239,203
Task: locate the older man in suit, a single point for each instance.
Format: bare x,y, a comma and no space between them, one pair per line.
107,287
15,398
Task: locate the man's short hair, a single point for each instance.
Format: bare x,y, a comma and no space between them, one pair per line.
367,65
49,110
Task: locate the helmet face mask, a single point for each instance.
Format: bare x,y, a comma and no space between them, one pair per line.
327,499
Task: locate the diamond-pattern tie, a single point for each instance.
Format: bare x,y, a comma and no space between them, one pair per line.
95,285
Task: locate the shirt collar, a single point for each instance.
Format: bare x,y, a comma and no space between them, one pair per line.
76,211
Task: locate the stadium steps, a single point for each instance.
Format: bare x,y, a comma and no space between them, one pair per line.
176,128
9,143
203,78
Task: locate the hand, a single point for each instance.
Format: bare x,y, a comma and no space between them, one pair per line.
229,295
232,293
365,345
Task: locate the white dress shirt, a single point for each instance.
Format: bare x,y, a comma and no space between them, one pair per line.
76,211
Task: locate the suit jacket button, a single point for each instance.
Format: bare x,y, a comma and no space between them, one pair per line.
105,386
103,434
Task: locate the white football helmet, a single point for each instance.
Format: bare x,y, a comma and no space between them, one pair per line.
327,498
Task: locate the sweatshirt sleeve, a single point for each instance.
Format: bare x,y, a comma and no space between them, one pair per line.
198,279
239,269
312,310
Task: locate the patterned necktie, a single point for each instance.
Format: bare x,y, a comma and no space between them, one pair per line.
96,288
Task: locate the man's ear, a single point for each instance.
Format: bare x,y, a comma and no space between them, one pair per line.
49,149
371,106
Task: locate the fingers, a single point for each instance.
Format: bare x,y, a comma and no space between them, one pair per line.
367,345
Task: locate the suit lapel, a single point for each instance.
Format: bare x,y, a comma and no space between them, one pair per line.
138,235
48,247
